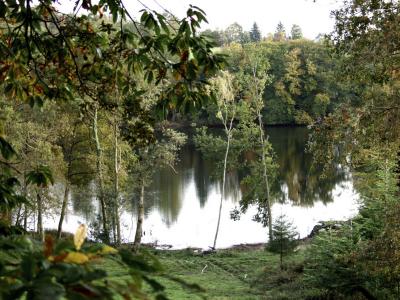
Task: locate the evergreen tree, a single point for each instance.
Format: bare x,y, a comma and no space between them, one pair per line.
280,32
255,33
284,237
296,32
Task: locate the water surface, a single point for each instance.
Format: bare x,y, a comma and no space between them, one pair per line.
181,209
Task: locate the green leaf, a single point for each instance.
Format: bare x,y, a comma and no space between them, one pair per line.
28,265
144,16
115,16
63,246
161,20
6,149
149,77
3,9
155,285
48,288
41,176
198,8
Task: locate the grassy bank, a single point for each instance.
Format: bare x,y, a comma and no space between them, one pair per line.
242,273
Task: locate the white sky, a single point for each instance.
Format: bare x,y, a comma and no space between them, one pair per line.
313,17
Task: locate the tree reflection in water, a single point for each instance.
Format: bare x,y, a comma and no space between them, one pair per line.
298,181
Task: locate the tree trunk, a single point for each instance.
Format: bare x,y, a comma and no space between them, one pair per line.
99,165
25,195
116,186
139,225
63,209
223,187
40,217
281,251
25,217
265,174
18,217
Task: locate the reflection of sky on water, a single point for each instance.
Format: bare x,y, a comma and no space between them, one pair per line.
182,209
195,226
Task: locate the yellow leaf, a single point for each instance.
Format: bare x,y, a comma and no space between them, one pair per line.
80,236
108,250
76,258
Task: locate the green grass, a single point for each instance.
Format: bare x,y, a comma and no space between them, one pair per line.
229,274
235,274
224,275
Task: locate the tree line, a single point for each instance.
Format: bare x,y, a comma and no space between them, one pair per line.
301,81
235,33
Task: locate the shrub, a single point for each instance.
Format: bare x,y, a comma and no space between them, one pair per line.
70,270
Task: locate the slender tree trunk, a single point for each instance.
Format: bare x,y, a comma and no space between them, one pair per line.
25,191
63,209
281,250
99,165
25,217
223,187
265,174
40,217
18,217
113,231
116,185
139,225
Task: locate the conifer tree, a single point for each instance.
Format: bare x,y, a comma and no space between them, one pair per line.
280,33
255,33
284,238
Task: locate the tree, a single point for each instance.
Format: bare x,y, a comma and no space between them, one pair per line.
62,56
253,79
284,238
73,139
100,176
152,158
366,36
363,37
255,33
280,33
296,32
35,138
47,56
328,266
42,178
216,35
233,33
226,110
245,38
9,196
365,255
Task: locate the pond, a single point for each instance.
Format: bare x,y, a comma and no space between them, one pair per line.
182,207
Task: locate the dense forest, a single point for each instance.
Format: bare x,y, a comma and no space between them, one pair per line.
95,104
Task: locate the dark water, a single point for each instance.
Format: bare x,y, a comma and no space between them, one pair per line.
182,208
